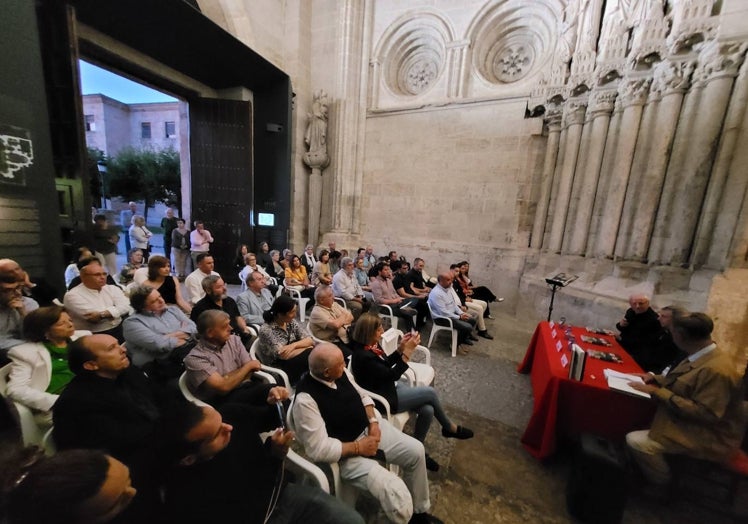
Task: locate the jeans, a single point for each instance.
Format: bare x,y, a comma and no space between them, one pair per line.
425,402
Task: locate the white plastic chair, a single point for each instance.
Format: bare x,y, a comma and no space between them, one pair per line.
341,300
300,301
30,430
435,328
269,369
420,373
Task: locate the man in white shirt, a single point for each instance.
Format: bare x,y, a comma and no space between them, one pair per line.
95,305
200,241
336,422
194,281
345,285
444,303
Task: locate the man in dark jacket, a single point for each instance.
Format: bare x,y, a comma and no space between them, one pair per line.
639,327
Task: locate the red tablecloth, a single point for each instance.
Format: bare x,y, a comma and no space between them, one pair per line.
569,407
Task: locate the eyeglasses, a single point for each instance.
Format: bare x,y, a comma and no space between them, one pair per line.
101,274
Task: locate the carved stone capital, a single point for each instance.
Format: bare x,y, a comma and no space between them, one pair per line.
574,111
601,102
672,77
552,117
717,60
634,92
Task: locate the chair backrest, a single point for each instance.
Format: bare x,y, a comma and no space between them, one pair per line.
4,373
186,391
440,321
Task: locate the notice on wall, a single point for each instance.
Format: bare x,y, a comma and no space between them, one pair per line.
16,154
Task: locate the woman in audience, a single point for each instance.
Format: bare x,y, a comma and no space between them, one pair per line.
321,272
296,279
376,371
159,277
263,256
140,236
39,368
283,342
72,270
241,251
275,269
134,262
476,292
75,486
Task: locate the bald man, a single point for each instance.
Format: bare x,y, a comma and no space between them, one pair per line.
336,422
640,328
444,303
13,306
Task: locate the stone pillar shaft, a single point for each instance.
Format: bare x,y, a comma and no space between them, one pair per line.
588,179
574,116
551,155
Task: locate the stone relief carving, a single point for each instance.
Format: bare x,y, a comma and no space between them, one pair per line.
602,101
717,60
634,92
512,64
574,112
420,76
672,76
692,23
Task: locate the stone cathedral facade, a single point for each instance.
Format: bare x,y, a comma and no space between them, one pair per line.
606,139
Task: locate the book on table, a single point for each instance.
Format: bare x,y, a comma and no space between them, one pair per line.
578,360
620,382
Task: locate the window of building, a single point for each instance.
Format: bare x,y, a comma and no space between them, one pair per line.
170,129
90,124
145,130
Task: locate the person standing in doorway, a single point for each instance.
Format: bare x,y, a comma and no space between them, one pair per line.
180,248
168,224
200,241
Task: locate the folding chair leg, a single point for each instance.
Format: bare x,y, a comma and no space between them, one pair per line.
454,343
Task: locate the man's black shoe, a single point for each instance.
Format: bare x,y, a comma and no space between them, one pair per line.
462,433
472,337
485,334
424,518
431,464
467,342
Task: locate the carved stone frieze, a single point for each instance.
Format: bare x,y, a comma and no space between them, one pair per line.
574,111
717,60
553,115
692,22
671,77
634,92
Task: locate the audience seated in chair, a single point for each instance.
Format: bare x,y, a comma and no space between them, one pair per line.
400,269
283,342
14,306
223,472
444,303
95,305
335,423
476,308
296,278
384,294
194,282
39,367
700,410
216,299
477,292
345,286
255,300
112,405
329,320
82,485
380,373
218,367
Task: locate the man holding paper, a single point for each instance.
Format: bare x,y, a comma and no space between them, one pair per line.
699,403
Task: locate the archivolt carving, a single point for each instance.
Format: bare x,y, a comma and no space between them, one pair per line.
513,39
413,53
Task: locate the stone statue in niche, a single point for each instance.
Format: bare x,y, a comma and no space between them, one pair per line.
316,133
317,159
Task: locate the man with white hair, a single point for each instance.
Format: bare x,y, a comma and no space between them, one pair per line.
345,285
337,423
639,327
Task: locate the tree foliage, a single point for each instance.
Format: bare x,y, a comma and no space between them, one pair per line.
151,176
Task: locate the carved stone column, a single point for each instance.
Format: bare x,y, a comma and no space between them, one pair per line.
572,120
680,207
598,113
727,185
553,120
670,82
631,96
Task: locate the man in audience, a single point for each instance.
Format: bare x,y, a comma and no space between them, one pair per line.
639,328
308,259
219,365
415,283
400,271
194,281
329,320
473,307
336,423
345,285
95,305
224,472
113,406
157,331
385,294
444,303
216,299
37,289
13,308
369,258
252,265
255,300
200,241
699,404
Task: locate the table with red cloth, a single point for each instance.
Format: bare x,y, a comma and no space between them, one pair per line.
565,407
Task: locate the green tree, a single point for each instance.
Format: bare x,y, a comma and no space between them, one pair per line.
147,175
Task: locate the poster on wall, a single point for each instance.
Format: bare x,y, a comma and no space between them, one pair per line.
16,155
